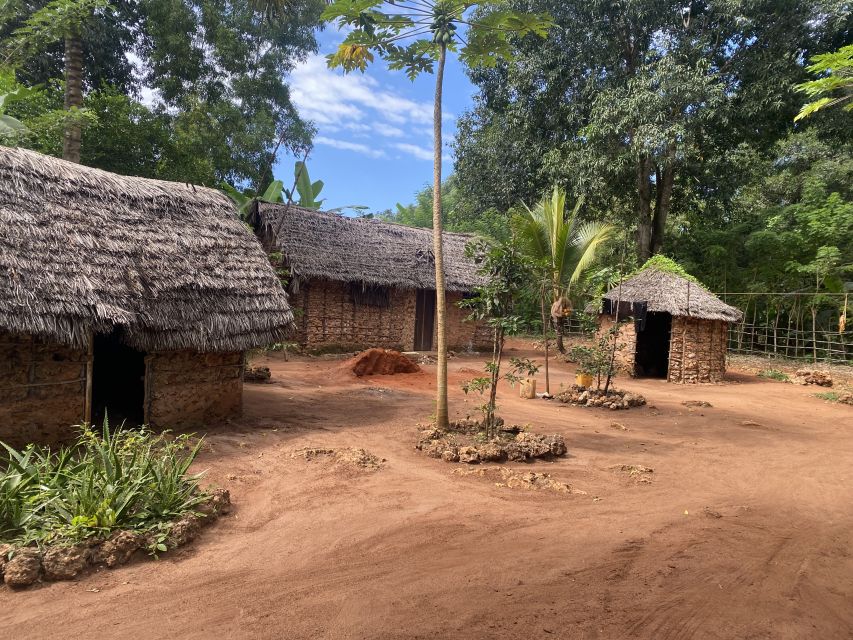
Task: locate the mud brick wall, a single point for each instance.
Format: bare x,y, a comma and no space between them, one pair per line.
326,316
42,389
464,334
188,389
697,351
627,341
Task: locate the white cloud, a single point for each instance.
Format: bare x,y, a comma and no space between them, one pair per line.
349,146
421,153
388,130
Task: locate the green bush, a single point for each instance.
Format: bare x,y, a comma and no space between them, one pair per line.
107,480
773,374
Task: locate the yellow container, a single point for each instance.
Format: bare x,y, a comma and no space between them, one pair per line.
583,379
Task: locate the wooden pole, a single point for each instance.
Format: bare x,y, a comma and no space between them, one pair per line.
545,336
90,360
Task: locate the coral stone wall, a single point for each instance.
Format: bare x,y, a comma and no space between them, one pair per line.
464,334
326,317
42,389
627,341
188,389
697,351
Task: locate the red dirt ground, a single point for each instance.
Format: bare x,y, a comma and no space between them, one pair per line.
743,532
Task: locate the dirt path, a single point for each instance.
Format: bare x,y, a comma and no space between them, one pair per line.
743,530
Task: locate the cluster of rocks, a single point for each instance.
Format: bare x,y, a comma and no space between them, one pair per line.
513,447
615,398
23,566
636,472
812,376
348,457
256,374
513,479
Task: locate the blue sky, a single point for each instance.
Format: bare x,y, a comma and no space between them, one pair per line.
374,130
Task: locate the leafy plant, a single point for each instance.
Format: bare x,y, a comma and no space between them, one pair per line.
110,479
834,87
831,396
595,359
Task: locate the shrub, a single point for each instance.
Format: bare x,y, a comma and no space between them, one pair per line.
774,374
107,480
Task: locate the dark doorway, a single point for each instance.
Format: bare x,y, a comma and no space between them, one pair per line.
424,319
118,382
652,357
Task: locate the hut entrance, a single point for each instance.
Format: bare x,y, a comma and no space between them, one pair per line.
652,357
424,319
118,382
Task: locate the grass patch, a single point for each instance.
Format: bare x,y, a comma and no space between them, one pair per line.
774,374
107,480
831,396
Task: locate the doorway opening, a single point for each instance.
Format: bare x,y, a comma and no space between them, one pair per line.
424,319
651,359
118,382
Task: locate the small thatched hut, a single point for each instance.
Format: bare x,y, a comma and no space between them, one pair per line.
679,329
357,283
128,295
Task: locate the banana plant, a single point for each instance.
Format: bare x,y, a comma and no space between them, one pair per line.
244,202
305,189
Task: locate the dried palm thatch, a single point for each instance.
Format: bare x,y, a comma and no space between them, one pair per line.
85,250
667,292
317,244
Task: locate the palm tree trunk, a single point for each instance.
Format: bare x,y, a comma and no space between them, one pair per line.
73,94
441,413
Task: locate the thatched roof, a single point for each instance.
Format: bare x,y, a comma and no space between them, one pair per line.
667,292
83,250
317,244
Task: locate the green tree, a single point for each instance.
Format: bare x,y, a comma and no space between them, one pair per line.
561,248
641,108
834,87
415,36
62,20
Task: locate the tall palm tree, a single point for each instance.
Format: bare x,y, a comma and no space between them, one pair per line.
561,247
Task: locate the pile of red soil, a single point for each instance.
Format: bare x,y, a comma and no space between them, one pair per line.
383,362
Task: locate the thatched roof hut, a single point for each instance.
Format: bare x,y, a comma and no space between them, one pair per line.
680,329
666,292
84,250
156,266
334,247
368,283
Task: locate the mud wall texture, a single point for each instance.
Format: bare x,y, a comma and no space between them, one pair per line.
188,389
627,341
464,334
697,351
327,317
42,389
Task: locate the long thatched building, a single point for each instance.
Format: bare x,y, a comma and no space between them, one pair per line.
678,330
123,295
357,283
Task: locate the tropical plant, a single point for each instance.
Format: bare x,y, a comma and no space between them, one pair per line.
10,127
244,201
415,36
305,189
62,21
495,301
109,479
834,87
561,248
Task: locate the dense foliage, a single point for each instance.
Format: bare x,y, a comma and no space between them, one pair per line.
108,480
189,90
650,109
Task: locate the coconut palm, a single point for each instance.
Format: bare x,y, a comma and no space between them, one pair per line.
561,247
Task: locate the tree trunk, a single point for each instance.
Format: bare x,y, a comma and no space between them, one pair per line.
497,355
545,337
662,204
73,94
644,211
441,414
